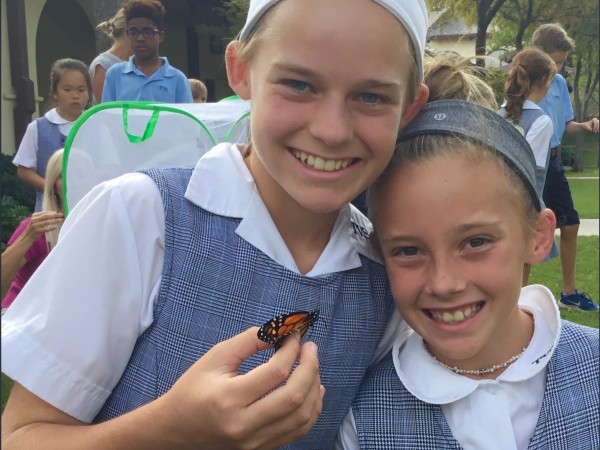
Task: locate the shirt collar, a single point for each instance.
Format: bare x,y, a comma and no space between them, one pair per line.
528,104
222,184
166,69
442,386
53,117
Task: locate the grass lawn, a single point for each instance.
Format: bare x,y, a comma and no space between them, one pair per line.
585,196
549,274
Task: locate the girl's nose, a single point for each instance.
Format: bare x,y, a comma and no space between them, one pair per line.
332,123
445,279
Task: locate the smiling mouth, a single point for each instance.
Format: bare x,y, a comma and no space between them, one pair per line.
318,163
457,315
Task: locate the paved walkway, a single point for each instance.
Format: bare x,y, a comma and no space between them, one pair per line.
588,227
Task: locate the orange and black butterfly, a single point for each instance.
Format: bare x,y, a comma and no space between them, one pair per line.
275,330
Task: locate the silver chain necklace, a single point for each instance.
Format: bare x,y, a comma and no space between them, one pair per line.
478,372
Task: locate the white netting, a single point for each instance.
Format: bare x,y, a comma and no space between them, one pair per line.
112,139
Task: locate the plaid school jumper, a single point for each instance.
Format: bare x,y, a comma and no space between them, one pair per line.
389,417
50,139
215,285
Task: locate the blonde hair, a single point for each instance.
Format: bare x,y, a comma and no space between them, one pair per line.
50,200
115,26
198,88
451,76
529,68
552,37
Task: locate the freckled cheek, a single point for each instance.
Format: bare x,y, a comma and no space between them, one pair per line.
404,287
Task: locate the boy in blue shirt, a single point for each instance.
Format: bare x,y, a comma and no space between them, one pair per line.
146,76
553,39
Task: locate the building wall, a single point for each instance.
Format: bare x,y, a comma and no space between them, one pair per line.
464,47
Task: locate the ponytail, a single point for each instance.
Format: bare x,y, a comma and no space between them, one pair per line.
530,67
516,89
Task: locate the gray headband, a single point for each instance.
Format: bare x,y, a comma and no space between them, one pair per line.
462,118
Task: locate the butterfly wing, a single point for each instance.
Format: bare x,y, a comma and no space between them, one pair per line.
275,330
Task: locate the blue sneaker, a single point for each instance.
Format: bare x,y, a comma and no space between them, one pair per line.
577,300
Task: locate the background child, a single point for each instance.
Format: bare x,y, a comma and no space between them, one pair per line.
553,39
119,51
182,259
71,89
491,365
526,85
36,235
199,92
146,76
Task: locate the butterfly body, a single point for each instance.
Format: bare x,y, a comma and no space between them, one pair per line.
275,330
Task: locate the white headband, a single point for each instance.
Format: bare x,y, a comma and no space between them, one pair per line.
411,13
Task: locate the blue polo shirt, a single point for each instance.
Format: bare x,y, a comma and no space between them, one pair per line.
124,81
557,104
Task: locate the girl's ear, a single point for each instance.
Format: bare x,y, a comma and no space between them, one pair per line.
237,71
544,236
413,108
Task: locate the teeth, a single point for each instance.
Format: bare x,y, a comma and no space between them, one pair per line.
318,163
456,316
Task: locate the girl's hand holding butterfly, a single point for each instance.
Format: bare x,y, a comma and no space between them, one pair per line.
211,406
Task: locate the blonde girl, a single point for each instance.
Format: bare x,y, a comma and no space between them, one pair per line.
119,51
33,239
491,365
181,260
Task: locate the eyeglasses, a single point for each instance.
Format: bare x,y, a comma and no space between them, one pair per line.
146,32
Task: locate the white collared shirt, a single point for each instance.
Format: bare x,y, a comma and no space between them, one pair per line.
27,153
539,135
512,402
69,335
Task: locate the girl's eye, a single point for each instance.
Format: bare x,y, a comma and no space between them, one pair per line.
406,251
296,85
370,98
476,242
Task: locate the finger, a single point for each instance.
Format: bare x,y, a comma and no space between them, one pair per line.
268,376
227,356
302,386
290,411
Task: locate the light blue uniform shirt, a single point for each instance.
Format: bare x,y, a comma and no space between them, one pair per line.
557,104
124,81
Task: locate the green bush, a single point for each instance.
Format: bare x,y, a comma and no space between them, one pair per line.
18,199
567,155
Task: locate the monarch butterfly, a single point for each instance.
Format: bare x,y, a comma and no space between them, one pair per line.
275,330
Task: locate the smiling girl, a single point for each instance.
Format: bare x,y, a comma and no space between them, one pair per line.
490,365
183,259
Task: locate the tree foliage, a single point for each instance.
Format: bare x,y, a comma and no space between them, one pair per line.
234,12
513,22
479,12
